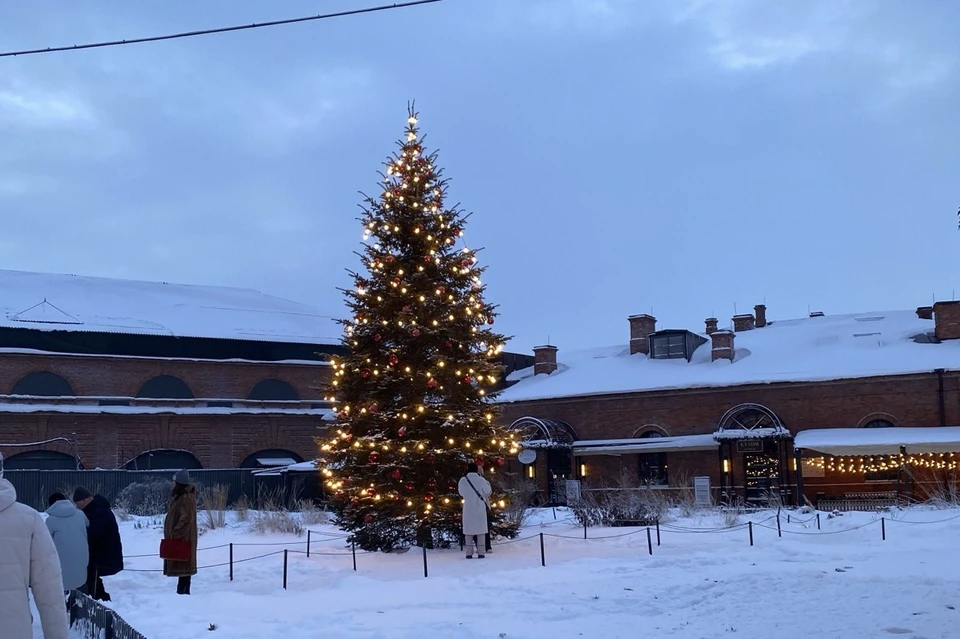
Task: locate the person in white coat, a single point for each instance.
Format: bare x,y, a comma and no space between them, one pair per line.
68,527
28,561
475,491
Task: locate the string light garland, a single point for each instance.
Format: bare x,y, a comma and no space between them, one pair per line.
412,396
881,463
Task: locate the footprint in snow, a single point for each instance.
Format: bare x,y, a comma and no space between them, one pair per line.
897,631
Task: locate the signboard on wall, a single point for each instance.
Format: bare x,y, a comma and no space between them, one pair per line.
701,491
750,446
527,456
811,468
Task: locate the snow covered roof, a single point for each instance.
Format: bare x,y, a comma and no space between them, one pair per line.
88,409
52,302
808,349
879,441
644,445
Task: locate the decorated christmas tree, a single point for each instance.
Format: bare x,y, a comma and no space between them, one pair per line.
412,397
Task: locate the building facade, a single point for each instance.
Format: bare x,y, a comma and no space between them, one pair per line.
825,409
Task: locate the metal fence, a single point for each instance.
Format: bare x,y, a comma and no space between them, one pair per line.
35,486
92,620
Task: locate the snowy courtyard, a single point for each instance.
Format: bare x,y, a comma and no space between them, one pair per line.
704,580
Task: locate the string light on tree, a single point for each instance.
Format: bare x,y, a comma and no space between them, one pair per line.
412,396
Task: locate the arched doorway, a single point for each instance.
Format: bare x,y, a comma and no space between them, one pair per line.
753,451
549,443
164,459
41,460
271,458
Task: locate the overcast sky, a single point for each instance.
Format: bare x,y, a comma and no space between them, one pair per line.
619,156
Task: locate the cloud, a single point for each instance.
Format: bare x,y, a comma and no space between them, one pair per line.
31,106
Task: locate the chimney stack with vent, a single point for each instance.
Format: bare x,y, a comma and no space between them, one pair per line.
640,328
946,316
711,323
544,359
743,323
760,310
721,345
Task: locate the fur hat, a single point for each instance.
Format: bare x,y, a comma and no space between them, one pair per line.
183,477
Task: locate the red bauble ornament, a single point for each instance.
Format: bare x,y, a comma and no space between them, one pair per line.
409,486
449,344
432,483
432,383
427,258
406,309
489,320
374,408
365,373
396,474
465,263
442,289
479,462
415,332
368,518
393,360
374,457
390,259
467,379
377,337
396,281
402,431
428,497
501,461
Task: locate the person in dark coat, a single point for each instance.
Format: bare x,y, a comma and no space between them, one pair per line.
103,537
181,523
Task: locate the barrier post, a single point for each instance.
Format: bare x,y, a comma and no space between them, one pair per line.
750,528
308,543
353,551
285,551
658,530
584,527
818,521
883,528
649,541
231,561
779,533
543,556
425,574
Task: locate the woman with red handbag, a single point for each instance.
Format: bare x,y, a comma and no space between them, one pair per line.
179,546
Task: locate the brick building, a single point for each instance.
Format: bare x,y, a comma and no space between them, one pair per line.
836,408
104,373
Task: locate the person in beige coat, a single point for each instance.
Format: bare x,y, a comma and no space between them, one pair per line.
28,562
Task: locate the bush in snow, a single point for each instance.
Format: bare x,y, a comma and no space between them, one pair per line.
214,503
520,492
311,514
144,499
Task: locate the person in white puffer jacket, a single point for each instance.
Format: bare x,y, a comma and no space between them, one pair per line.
28,562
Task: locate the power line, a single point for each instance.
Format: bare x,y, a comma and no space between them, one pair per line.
189,34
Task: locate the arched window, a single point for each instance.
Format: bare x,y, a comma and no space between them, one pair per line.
271,458
164,459
165,387
43,384
41,460
891,474
653,466
273,389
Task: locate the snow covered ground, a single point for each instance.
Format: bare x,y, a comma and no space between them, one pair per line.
704,581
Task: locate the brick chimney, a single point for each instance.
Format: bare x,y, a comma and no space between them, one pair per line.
544,359
760,311
711,323
816,314
925,312
721,345
743,323
947,318
640,328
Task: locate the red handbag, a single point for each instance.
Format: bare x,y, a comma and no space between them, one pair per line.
175,549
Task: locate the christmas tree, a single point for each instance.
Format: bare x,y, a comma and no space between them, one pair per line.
412,397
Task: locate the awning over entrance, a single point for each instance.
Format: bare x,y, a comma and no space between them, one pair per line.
879,441
271,462
644,445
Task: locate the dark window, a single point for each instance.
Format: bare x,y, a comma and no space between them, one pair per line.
273,389
220,404
43,384
41,460
114,402
672,346
164,460
891,474
270,458
653,466
165,387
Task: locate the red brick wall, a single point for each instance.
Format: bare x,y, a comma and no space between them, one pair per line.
110,441
123,376
910,400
